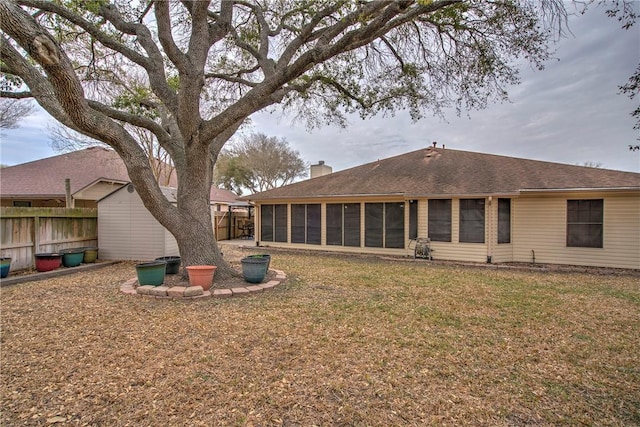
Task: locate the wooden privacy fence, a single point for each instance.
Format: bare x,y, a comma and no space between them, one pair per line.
28,231
237,220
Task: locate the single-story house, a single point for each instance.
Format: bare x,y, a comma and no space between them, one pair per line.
92,172
473,207
127,230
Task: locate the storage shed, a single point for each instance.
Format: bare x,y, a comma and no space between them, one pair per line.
128,231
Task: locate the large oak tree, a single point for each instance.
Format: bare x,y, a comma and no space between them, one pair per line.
191,72
258,163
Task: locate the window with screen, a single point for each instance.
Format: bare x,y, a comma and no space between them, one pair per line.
413,219
471,221
298,223
306,223
585,223
504,220
384,225
266,223
334,224
373,223
394,225
314,225
351,224
273,223
280,223
439,220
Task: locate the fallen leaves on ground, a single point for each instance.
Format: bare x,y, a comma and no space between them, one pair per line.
345,341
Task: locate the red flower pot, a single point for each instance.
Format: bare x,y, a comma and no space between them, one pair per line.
48,262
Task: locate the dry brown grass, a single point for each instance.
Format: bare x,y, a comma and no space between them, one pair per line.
346,341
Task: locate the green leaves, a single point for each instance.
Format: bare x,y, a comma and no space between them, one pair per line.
258,163
136,100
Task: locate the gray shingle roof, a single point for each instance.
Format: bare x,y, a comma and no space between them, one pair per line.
216,195
445,172
46,177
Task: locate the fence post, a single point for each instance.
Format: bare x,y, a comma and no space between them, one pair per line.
36,234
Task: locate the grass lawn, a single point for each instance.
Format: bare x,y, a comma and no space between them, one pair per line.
346,341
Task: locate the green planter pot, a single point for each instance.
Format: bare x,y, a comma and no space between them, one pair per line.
254,269
90,254
173,264
72,257
5,266
267,256
151,273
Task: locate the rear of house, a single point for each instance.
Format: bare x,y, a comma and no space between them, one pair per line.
473,207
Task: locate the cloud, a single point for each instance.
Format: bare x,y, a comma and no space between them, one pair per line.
571,113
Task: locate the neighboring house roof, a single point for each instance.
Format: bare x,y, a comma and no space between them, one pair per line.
444,172
216,195
45,178
223,196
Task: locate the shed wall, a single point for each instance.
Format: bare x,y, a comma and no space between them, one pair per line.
127,231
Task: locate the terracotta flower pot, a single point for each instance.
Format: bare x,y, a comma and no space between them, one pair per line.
201,275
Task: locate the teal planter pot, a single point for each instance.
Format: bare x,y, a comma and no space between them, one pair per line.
254,269
151,273
267,256
173,264
5,266
72,257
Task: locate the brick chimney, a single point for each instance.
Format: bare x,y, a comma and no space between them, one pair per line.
319,169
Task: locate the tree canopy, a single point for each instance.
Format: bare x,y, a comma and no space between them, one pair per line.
12,111
258,163
192,72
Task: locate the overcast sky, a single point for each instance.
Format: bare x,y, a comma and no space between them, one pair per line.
569,113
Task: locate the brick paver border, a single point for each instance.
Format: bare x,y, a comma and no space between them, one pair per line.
196,292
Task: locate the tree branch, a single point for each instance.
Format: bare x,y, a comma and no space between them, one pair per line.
16,95
163,19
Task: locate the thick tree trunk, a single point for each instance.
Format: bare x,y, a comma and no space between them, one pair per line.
194,229
198,246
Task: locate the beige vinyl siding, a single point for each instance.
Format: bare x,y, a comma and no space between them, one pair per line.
96,191
128,231
454,250
499,252
170,245
540,225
